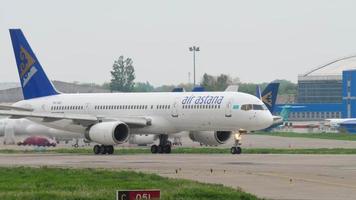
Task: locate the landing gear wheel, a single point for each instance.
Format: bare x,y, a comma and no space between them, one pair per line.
102,149
109,149
239,150
164,144
154,149
167,148
233,150
96,149
160,149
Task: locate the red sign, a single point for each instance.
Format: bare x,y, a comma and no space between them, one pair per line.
138,195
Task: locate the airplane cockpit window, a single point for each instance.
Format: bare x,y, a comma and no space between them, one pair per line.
246,107
257,107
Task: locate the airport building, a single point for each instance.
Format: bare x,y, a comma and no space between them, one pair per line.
328,91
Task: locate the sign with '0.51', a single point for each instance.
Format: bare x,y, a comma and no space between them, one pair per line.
138,195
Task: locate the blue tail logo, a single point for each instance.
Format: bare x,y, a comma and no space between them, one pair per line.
27,70
269,95
34,81
267,98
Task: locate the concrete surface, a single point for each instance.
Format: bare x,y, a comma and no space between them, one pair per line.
263,141
248,141
269,176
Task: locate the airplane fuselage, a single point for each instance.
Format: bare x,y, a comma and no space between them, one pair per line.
168,112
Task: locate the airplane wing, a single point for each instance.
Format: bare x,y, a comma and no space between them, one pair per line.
82,119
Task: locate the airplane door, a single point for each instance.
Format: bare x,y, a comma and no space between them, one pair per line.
175,108
228,108
87,108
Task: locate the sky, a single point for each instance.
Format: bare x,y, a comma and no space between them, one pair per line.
257,41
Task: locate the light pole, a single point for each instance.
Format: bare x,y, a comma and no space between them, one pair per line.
194,49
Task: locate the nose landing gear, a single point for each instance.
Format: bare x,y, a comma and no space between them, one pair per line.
164,145
236,149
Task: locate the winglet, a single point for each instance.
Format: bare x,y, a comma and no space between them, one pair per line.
34,81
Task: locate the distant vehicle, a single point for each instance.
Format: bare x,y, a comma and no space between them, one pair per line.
37,141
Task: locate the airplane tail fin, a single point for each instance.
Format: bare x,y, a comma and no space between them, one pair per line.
34,81
269,95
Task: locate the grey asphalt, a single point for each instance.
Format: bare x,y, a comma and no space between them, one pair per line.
269,176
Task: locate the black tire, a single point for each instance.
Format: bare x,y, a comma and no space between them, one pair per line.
110,149
167,148
160,149
96,149
154,149
238,150
233,150
102,149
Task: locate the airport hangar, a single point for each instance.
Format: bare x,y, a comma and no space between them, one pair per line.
328,91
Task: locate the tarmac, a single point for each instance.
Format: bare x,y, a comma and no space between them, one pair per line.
267,176
275,176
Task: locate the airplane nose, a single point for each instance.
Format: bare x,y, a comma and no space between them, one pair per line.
266,120
269,119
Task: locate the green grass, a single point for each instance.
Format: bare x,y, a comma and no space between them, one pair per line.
330,136
197,150
80,184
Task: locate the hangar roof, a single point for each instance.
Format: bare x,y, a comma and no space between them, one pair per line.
333,68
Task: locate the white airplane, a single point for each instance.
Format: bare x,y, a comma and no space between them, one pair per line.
335,123
110,119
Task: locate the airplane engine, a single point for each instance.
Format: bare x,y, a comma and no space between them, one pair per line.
211,138
108,133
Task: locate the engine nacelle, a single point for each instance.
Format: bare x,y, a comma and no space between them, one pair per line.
108,133
211,138
142,139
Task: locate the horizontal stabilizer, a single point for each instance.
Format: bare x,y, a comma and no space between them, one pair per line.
5,107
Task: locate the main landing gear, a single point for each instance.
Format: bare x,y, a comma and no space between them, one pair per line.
164,145
103,149
236,149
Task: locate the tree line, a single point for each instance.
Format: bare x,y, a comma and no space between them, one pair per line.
123,80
